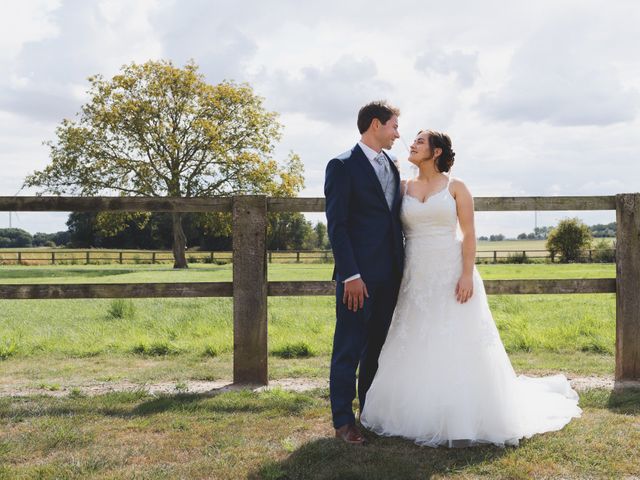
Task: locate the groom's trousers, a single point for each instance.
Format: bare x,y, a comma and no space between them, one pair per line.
357,342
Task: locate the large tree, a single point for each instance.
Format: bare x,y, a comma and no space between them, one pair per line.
162,131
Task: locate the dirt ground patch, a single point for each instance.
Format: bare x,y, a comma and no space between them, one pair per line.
171,388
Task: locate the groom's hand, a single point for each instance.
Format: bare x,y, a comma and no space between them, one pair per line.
354,293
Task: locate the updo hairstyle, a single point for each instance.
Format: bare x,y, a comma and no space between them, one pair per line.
441,140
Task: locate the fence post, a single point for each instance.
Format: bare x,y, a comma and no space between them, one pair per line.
250,289
298,256
53,258
495,257
153,258
211,256
87,258
627,288
19,258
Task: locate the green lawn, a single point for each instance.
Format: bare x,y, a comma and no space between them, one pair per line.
223,273
179,339
65,344
284,435
83,328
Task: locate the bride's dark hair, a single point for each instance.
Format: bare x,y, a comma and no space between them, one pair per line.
441,140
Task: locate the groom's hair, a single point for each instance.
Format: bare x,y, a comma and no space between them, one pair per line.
380,110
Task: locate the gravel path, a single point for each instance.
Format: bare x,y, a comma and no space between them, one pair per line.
291,384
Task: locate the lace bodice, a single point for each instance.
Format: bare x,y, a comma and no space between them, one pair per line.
432,222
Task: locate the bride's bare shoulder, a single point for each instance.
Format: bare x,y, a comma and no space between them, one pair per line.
457,186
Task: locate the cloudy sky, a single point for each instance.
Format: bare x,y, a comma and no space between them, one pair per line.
540,98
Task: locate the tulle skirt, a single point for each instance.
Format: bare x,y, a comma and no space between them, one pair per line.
444,377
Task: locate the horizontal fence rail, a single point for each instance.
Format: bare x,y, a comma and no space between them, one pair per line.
275,289
250,288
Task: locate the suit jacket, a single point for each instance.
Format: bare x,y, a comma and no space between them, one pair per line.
365,235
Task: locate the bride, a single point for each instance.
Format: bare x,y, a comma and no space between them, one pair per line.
444,377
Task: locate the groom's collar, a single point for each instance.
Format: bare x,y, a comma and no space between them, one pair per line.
369,152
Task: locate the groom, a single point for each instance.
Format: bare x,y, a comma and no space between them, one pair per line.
362,190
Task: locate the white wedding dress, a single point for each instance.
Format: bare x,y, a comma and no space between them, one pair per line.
444,377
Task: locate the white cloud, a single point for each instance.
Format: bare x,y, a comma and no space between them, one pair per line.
460,64
333,93
207,33
85,38
563,75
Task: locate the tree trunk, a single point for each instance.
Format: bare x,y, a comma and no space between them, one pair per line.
179,242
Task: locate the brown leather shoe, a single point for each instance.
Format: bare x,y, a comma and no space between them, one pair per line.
350,434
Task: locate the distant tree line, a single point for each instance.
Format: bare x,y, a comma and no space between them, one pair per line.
542,233
285,231
539,233
602,231
18,238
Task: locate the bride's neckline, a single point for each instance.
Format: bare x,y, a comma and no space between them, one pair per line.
426,199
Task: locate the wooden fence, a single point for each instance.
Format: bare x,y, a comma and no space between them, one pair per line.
66,256
250,287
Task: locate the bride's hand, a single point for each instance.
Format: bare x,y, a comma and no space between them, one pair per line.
464,288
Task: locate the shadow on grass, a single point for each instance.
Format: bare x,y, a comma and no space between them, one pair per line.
275,402
627,403
624,402
381,458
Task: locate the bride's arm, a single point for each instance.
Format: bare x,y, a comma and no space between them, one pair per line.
464,207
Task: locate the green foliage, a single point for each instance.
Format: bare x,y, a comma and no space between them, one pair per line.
50,239
322,237
121,308
8,347
604,252
161,131
518,257
604,230
155,349
210,351
15,238
289,231
569,239
293,350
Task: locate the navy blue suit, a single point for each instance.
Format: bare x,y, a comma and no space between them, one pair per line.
366,238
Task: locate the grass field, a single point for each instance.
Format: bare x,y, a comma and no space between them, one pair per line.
202,328
53,345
